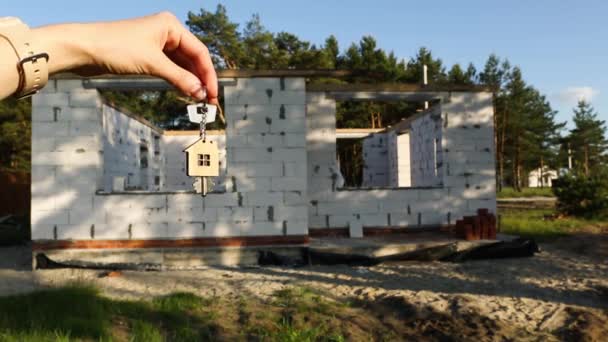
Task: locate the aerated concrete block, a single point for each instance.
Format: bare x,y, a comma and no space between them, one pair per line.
49,217
355,228
50,129
43,232
85,98
288,184
262,198
285,213
142,231
50,100
221,200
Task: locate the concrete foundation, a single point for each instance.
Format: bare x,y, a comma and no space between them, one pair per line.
166,258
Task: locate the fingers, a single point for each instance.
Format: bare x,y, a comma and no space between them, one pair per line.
185,62
182,79
198,54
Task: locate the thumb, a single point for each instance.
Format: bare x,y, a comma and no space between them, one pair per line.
180,78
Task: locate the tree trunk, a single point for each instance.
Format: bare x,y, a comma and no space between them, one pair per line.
497,149
586,162
517,167
542,169
501,160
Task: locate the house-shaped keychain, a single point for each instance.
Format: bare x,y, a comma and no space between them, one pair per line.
202,159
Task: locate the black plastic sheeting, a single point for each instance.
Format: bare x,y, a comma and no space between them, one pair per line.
44,262
519,248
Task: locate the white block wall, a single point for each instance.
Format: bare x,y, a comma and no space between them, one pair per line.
175,177
280,166
321,146
67,157
76,139
425,149
399,165
409,159
126,141
468,152
463,182
266,156
376,161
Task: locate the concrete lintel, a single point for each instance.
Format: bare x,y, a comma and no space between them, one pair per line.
413,96
356,133
139,83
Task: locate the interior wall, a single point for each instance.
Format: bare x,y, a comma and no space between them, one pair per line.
399,165
376,160
426,154
132,151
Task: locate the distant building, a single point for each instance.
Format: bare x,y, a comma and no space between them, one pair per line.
541,178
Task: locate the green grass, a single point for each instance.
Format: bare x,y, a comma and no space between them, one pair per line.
508,192
78,312
541,224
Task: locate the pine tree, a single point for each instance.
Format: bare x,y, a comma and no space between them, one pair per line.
541,134
435,69
15,134
471,74
588,138
457,76
219,34
515,99
495,75
332,51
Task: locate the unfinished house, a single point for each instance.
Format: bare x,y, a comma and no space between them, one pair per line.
109,187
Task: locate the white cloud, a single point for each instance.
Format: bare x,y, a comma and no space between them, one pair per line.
571,95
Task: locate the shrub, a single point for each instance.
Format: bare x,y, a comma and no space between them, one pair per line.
581,195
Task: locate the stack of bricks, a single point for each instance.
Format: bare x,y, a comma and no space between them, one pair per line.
479,227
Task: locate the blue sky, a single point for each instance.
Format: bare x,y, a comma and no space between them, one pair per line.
560,45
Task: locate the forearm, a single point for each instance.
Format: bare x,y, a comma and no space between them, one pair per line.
157,45
8,69
65,44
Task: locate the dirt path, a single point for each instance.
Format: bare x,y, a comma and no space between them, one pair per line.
563,291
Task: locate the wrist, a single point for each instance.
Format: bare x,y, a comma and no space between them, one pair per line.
65,44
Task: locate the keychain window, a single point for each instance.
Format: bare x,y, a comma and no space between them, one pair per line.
204,160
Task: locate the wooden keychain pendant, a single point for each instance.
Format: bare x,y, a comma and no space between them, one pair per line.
202,157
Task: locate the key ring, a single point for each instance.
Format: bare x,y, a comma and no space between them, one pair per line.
203,131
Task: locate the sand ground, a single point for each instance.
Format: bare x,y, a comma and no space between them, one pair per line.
561,293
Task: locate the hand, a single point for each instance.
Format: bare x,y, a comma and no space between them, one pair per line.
157,45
